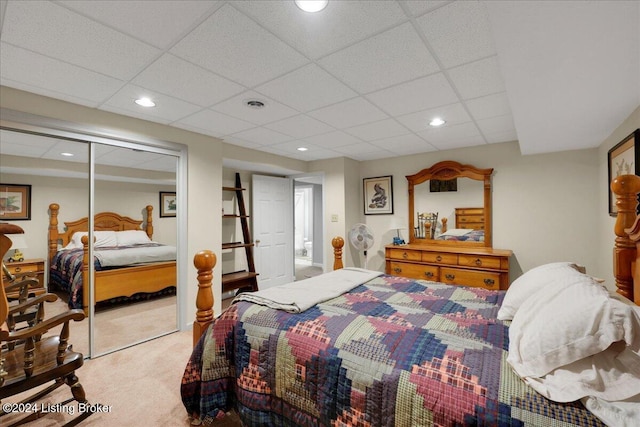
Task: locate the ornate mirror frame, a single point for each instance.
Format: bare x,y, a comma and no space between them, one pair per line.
447,170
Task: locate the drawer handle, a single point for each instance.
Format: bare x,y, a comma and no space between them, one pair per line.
397,270
438,258
450,276
428,274
489,282
405,255
478,261
18,269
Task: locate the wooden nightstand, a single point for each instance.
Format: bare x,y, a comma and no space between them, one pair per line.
35,267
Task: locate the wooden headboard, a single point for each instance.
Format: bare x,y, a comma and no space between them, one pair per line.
104,221
626,252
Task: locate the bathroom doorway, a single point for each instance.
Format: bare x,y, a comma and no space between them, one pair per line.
308,230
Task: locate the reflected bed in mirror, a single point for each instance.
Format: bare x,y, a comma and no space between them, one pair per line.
458,217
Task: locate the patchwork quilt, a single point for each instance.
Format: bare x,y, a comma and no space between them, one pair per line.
391,352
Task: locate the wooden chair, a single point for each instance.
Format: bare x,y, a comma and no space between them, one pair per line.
30,359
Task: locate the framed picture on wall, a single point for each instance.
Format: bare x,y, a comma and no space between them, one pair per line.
15,202
378,195
623,160
168,205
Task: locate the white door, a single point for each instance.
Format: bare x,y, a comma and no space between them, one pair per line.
272,214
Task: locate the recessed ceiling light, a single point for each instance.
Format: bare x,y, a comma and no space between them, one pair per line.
145,102
67,154
302,149
312,5
437,122
255,103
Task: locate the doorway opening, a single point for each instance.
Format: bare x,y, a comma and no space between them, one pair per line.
308,233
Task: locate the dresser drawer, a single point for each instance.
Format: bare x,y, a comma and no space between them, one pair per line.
23,268
469,211
440,258
478,261
480,279
404,254
413,271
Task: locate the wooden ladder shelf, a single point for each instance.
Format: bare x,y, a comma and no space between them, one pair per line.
247,280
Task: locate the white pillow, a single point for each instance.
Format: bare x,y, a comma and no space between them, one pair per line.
132,237
565,324
457,232
534,280
103,239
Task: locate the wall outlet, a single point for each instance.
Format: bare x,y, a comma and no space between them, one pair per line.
334,218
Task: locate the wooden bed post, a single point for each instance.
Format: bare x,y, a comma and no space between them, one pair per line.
337,243
149,223
85,274
204,262
626,189
54,208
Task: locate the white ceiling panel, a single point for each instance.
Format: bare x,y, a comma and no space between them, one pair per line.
158,23
307,88
357,72
393,57
55,31
180,79
234,46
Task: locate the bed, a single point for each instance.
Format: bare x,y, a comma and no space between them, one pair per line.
392,351
128,264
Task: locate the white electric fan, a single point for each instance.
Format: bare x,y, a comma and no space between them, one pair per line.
361,237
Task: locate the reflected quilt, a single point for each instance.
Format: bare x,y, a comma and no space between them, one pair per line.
391,352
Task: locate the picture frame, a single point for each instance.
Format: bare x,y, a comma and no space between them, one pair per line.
168,207
378,195
443,185
15,202
623,159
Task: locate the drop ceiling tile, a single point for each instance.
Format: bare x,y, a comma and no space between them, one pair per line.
46,76
125,157
158,23
393,57
419,7
404,144
489,106
342,22
452,114
478,79
363,156
300,126
318,154
493,125
167,109
182,80
291,147
79,150
306,89
360,147
243,143
349,113
45,28
421,94
507,136
213,123
459,32
457,136
271,112
244,45
332,139
15,148
378,130
262,136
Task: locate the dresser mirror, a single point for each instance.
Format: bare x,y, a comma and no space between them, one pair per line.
450,205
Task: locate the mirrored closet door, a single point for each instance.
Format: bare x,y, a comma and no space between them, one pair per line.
124,196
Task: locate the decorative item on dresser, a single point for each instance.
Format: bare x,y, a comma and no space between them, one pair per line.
462,256
154,269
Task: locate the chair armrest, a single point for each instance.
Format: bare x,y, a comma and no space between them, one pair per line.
45,325
21,285
32,301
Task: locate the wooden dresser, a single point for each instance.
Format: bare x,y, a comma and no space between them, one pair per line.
472,266
470,218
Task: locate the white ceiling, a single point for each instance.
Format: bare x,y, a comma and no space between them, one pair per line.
360,79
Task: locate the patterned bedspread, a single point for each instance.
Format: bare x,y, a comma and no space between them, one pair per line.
66,272
392,352
471,236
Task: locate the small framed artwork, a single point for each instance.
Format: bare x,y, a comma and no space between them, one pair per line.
378,195
623,160
15,202
439,185
168,206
